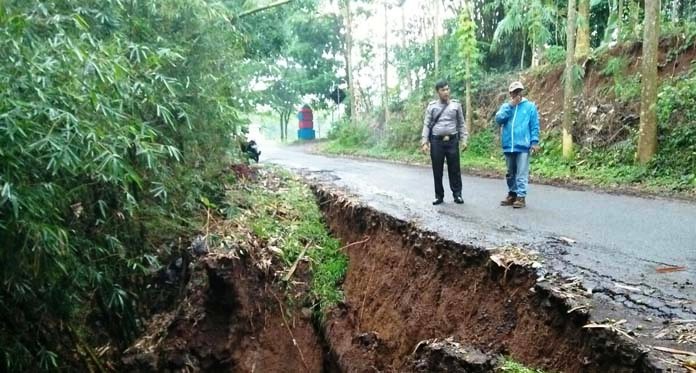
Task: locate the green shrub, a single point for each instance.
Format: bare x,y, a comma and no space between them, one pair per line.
615,66
555,54
108,111
352,135
676,115
483,143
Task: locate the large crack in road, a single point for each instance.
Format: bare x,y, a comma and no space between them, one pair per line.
612,244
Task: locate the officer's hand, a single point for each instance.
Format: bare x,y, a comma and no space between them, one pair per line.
535,148
463,146
424,148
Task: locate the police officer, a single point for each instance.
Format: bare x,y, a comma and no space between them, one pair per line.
444,132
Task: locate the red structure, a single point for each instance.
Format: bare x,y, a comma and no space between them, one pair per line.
306,118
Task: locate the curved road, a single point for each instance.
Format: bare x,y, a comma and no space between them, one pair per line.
616,242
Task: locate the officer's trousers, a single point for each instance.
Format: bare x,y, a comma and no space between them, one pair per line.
439,152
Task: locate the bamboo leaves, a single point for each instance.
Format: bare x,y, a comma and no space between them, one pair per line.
101,103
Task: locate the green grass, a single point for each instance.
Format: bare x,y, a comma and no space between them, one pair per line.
284,213
510,366
379,151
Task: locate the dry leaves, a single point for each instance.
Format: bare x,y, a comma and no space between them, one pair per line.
506,256
613,326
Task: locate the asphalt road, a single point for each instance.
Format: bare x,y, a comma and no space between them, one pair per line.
619,240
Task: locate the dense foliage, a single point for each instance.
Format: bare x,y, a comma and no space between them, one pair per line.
513,35
109,111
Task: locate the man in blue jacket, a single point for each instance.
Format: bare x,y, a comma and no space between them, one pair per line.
519,122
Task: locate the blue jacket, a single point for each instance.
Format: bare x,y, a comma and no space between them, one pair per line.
520,126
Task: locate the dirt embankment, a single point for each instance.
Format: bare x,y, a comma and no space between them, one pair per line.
232,319
600,119
413,303
405,286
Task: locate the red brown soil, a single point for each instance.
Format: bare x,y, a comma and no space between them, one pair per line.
404,286
230,321
548,90
243,171
545,88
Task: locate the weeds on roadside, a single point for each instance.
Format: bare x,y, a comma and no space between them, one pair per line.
511,366
285,214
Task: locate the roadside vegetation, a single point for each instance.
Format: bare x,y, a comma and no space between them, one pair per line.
282,213
606,102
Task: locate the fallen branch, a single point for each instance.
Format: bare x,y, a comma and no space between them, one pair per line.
294,265
612,327
285,321
674,351
670,269
367,238
629,288
576,308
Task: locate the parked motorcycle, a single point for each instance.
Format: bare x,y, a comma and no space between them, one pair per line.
251,150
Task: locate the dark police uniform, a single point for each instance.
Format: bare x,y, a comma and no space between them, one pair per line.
446,134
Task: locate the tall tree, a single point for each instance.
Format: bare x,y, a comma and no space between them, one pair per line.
568,82
295,68
647,136
634,10
620,18
347,13
674,12
582,47
468,54
402,8
612,22
385,103
436,35
542,15
531,19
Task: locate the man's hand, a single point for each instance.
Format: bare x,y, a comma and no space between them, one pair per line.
515,100
463,146
424,148
535,148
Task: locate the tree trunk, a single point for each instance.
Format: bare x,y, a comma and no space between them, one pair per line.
647,136
436,38
469,111
619,19
348,20
634,19
282,138
612,22
582,48
535,52
524,48
386,65
409,83
286,129
568,88
469,61
675,11
536,56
